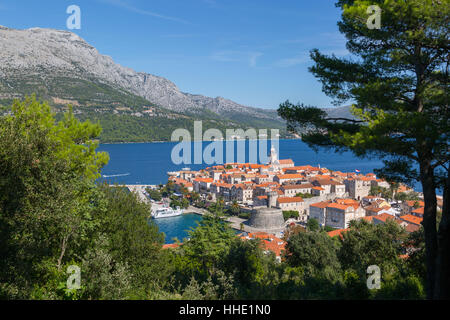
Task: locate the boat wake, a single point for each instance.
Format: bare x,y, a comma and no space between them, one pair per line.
115,175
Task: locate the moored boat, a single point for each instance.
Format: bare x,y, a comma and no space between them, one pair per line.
166,212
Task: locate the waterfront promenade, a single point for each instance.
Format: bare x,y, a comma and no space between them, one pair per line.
140,189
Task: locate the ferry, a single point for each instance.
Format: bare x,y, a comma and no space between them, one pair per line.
166,213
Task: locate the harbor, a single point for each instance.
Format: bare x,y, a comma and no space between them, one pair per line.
235,223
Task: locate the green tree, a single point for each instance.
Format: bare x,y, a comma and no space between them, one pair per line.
195,198
154,194
398,81
235,208
103,277
290,214
375,191
304,195
316,253
245,261
313,225
366,244
217,208
208,243
47,173
132,238
403,196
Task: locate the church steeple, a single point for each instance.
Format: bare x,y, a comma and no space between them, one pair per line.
273,156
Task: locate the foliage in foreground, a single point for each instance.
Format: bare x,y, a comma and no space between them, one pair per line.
53,215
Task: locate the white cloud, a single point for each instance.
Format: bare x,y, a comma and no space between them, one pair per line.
293,61
125,5
328,43
237,56
181,35
253,57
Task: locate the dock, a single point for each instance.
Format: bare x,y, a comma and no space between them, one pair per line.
139,189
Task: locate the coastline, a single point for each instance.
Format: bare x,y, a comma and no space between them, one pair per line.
145,142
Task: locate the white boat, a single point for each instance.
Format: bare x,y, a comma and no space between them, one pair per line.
166,212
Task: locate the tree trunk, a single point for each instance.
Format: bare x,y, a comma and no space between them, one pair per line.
63,251
429,223
442,282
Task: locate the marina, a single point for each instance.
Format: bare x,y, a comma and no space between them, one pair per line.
178,222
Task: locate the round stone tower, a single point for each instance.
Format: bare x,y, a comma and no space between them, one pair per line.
270,218
272,197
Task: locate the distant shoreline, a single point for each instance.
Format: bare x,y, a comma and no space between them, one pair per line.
143,142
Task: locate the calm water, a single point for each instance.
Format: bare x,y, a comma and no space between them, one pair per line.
148,163
177,227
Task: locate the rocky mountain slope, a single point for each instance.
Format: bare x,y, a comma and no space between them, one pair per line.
46,55
62,68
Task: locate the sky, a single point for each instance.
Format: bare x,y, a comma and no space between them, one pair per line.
254,52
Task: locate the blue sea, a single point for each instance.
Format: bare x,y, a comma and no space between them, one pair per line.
177,227
148,163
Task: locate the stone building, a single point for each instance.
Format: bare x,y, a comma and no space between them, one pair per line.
270,218
358,187
318,211
339,215
291,204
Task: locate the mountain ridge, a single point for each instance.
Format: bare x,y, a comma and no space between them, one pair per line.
62,52
62,68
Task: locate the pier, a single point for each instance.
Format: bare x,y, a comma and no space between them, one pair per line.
140,189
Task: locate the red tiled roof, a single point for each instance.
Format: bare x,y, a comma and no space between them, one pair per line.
383,217
171,246
321,205
221,184
289,200
373,209
269,241
411,228
297,186
289,176
418,210
338,232
207,180
348,201
411,219
339,206
411,203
